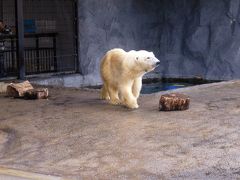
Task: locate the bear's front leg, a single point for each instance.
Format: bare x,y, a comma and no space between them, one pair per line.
127,97
137,86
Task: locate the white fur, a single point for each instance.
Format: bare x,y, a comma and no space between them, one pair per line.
122,75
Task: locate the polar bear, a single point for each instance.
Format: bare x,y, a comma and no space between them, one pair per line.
122,74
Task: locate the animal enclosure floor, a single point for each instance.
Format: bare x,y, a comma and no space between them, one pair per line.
75,135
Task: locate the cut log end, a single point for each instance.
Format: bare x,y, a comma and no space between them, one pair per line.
36,94
174,102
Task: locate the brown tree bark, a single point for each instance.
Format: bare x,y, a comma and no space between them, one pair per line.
174,102
18,89
36,94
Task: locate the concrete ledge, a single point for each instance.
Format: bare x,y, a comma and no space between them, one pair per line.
72,80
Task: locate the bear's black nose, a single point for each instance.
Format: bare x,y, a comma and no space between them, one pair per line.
157,63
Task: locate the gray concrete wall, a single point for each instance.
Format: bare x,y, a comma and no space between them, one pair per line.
191,37
200,37
108,24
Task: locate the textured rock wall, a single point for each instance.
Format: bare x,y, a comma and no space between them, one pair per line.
200,37
107,24
190,37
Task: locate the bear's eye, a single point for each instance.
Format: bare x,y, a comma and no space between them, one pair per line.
148,57
136,58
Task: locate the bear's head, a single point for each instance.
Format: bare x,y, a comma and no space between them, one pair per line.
146,61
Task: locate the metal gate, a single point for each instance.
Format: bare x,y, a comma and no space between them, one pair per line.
50,37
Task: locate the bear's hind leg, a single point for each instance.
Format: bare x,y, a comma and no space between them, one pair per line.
104,93
113,93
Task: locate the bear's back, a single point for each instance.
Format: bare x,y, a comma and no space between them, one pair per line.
115,56
112,63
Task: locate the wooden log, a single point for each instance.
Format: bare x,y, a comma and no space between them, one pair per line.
36,93
174,102
18,89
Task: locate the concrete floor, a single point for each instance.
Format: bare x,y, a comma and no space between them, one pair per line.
77,136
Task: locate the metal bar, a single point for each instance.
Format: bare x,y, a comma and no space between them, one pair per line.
49,60
7,62
40,65
1,9
12,54
76,29
44,60
37,54
55,52
20,38
26,61
34,61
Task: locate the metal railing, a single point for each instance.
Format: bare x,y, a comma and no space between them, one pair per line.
38,59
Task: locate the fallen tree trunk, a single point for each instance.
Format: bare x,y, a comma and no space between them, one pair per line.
174,102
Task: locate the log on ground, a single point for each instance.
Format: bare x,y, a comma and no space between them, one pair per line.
174,102
18,89
41,93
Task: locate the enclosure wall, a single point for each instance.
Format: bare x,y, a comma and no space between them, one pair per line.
190,37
